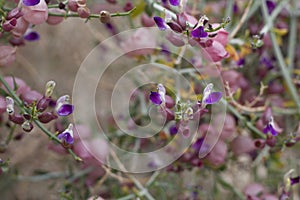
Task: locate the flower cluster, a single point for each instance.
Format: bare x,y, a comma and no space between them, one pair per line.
35,106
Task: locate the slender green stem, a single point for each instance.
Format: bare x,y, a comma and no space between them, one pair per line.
292,39
283,68
10,135
230,187
118,14
20,105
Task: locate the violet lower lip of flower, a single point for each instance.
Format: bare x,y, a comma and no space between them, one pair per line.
210,97
295,180
160,22
199,32
31,2
155,98
65,110
67,135
270,127
63,106
174,2
158,97
32,36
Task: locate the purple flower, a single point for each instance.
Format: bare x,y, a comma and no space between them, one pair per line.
158,97
31,2
160,22
67,136
31,36
199,32
210,97
295,180
271,6
155,98
63,106
270,127
173,130
174,2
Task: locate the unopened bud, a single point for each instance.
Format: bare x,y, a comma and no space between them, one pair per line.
83,12
10,105
49,88
27,126
105,16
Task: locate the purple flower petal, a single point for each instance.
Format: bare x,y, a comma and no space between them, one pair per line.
295,180
155,98
272,130
197,145
213,97
65,110
60,136
31,2
160,23
174,2
271,6
32,36
199,32
173,130
68,138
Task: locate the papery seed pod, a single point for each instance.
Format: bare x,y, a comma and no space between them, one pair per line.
46,117
7,55
83,12
9,24
271,140
31,96
20,28
37,14
54,20
73,5
17,41
104,16
81,2
147,21
14,13
16,118
242,145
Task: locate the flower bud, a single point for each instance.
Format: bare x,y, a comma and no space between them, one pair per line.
54,20
105,16
50,85
10,105
46,117
83,12
43,103
37,14
14,13
16,118
7,55
27,126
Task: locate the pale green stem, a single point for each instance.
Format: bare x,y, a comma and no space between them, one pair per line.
283,68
